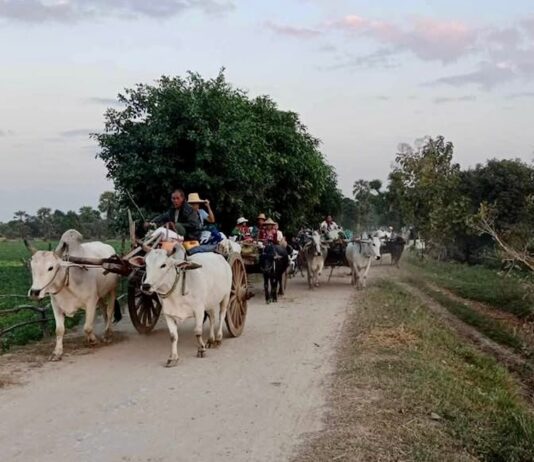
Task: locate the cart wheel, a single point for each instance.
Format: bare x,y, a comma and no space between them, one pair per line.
237,308
144,309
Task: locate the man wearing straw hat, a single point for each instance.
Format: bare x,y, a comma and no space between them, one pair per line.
205,216
260,221
268,232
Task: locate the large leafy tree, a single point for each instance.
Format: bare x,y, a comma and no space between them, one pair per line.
243,154
371,204
44,217
427,181
506,185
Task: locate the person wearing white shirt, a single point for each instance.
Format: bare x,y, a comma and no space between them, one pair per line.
328,225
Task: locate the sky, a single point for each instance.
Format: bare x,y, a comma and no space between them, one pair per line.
363,75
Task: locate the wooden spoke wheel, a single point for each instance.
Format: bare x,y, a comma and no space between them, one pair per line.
237,308
144,309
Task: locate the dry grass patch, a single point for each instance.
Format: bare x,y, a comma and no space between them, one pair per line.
390,337
408,389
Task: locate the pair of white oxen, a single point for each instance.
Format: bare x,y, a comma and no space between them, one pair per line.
359,254
184,293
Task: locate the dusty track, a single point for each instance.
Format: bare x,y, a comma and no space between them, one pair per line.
251,400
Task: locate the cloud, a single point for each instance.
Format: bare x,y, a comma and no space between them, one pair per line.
454,99
292,31
103,101
79,132
504,38
504,54
487,77
528,26
523,94
4,133
429,39
378,59
68,11
327,48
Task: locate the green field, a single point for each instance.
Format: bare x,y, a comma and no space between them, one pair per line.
15,280
508,293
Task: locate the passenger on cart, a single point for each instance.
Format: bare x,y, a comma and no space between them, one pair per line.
260,221
328,225
242,231
180,217
205,215
268,233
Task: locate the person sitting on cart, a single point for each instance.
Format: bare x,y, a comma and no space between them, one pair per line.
241,230
280,236
259,225
268,233
181,217
205,215
328,225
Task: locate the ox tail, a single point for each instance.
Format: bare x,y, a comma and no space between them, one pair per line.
117,313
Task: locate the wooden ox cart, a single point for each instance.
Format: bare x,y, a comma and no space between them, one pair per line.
145,309
337,244
250,254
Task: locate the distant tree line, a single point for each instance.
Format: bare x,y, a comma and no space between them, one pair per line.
451,208
100,223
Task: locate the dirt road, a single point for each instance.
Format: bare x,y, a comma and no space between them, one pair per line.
251,400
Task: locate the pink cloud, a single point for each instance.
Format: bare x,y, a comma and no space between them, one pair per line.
429,39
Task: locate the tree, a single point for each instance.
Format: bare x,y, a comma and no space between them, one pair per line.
107,204
516,244
243,154
506,184
90,222
371,203
349,214
428,183
44,218
21,217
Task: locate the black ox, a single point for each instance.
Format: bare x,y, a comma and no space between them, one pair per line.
274,262
395,247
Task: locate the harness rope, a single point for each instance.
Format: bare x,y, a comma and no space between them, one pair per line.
178,272
64,284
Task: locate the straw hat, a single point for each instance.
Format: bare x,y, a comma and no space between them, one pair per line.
270,221
194,198
262,216
242,220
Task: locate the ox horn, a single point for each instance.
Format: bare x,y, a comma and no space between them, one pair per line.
172,251
30,247
137,262
146,248
60,249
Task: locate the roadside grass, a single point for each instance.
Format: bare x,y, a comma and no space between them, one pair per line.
407,388
15,279
497,331
479,283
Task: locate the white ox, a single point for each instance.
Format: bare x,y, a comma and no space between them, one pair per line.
73,287
188,287
314,253
359,254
